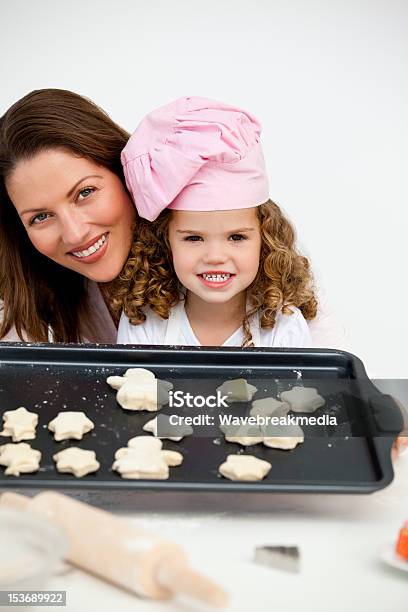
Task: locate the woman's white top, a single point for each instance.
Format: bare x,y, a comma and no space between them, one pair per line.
289,330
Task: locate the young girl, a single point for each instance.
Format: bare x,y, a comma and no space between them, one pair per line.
218,264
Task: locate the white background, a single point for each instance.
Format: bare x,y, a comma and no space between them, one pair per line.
327,79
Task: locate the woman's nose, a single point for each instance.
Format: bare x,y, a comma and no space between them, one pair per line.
74,232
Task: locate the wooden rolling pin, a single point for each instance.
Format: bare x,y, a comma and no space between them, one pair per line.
108,547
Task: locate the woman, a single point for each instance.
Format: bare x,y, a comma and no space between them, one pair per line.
65,218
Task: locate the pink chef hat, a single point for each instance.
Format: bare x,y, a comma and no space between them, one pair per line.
195,154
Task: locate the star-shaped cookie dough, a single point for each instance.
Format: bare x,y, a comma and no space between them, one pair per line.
68,425
246,435
284,437
269,406
161,428
282,442
19,458
76,461
144,458
20,424
244,467
303,399
238,390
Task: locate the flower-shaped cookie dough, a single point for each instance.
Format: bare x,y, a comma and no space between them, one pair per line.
19,458
139,389
144,458
303,399
238,390
244,467
20,424
68,425
76,461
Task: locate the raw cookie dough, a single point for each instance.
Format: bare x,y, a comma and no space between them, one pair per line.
20,424
246,435
285,437
283,443
115,382
244,467
238,390
76,461
303,399
144,443
144,458
68,425
138,389
139,374
167,431
19,458
269,406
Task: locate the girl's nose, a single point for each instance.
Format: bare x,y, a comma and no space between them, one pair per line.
214,255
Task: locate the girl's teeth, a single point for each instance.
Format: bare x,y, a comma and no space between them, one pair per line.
216,278
92,249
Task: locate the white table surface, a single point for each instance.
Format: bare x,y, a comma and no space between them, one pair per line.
340,537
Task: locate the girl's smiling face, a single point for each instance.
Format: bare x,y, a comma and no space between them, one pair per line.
75,211
215,253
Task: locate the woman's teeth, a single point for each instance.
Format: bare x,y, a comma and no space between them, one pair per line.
92,249
216,278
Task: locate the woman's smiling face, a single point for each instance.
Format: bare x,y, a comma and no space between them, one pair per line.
75,211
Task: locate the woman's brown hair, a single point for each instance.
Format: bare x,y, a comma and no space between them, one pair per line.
284,277
38,294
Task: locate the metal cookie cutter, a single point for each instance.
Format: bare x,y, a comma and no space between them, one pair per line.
286,558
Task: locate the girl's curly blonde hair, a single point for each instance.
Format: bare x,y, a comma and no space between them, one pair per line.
284,277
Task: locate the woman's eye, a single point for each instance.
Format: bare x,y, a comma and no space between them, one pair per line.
38,218
193,238
85,193
237,237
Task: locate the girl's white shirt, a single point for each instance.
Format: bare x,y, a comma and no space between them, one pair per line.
326,329
289,330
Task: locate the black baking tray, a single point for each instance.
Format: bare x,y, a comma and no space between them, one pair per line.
48,378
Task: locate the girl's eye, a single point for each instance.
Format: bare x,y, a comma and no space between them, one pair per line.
237,237
38,218
85,193
193,238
